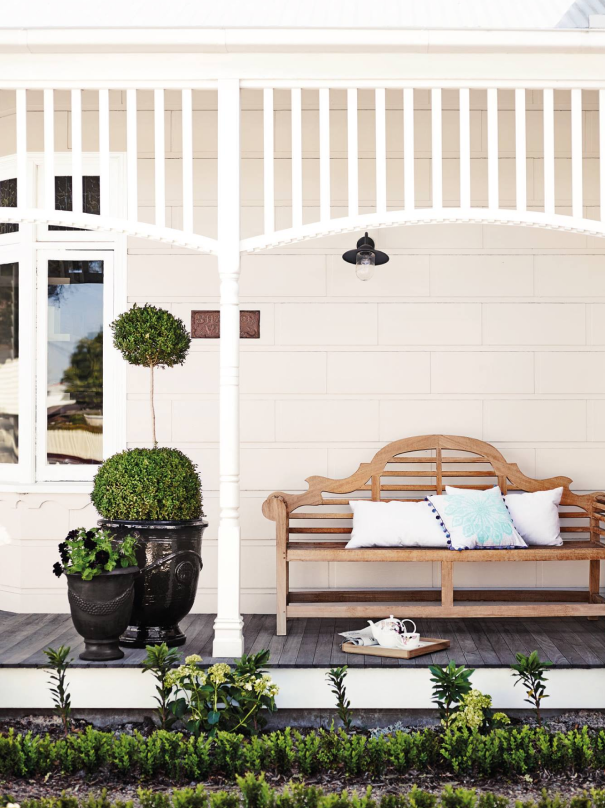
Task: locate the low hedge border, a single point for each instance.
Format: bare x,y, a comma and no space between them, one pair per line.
256,793
512,751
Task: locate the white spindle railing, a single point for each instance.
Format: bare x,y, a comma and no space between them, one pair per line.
549,151
104,150
520,150
381,151
187,125
446,201
132,168
408,148
76,150
465,148
352,152
21,133
577,206
436,148
49,149
297,187
269,160
324,155
160,156
492,149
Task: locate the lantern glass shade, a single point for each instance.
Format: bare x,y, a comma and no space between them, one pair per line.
365,263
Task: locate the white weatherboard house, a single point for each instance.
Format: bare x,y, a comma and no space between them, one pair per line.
222,156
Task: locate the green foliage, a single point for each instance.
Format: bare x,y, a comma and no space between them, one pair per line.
336,677
507,752
150,336
475,712
159,661
83,379
530,671
255,792
91,552
59,662
149,484
450,684
222,698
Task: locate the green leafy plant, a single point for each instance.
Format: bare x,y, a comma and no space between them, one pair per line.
530,671
475,712
91,552
59,662
222,698
153,338
450,684
159,661
148,484
336,677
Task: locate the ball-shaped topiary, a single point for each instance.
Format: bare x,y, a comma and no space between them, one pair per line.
146,335
149,484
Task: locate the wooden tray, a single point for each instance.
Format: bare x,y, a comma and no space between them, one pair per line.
428,645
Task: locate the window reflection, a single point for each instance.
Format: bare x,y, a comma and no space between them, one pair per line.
9,363
91,197
75,362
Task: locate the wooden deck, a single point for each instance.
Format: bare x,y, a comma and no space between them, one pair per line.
570,642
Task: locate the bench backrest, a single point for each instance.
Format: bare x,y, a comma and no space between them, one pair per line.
413,468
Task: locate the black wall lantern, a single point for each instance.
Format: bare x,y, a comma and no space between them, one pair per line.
365,257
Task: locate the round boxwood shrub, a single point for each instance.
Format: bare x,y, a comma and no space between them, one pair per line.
152,484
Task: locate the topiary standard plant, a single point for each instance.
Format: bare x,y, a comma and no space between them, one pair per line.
152,338
156,492
157,484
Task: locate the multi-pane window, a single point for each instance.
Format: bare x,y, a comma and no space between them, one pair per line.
91,197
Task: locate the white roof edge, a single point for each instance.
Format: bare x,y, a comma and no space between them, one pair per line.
301,40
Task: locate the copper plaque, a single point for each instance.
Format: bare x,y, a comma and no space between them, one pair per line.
207,324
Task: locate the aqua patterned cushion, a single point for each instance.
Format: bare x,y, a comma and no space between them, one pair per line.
475,520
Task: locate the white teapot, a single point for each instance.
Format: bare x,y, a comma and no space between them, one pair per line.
392,633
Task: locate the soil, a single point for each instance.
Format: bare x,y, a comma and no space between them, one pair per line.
514,788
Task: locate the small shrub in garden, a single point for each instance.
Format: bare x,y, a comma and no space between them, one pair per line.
59,662
530,671
149,484
159,661
450,684
475,712
91,552
222,698
336,677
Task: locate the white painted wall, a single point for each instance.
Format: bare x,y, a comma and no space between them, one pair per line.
485,331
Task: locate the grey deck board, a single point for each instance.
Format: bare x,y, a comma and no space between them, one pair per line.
568,642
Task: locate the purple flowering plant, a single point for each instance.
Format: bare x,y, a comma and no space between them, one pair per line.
91,552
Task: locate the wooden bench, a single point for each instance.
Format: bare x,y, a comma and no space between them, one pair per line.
411,469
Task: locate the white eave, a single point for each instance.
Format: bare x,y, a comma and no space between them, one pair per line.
298,40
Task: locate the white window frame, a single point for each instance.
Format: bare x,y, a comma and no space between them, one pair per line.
30,246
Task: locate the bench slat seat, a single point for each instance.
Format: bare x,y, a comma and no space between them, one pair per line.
431,462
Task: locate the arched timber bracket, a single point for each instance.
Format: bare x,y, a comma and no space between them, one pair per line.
349,224
89,221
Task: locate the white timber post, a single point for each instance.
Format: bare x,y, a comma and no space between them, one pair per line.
228,626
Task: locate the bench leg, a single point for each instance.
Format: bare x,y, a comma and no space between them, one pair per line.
282,594
447,584
594,581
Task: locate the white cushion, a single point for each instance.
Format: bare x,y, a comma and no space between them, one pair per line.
394,524
536,516
475,519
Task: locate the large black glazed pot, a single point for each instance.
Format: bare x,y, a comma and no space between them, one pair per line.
169,556
100,610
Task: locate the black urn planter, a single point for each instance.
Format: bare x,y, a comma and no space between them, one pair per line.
169,557
100,610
